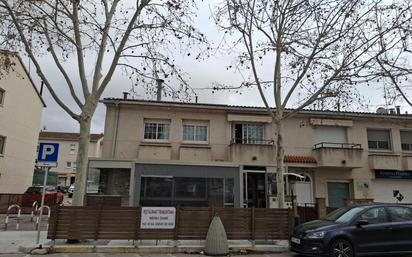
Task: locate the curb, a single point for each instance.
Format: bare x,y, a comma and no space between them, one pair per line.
150,250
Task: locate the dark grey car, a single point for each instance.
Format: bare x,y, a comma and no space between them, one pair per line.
357,230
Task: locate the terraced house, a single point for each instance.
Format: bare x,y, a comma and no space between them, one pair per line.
193,154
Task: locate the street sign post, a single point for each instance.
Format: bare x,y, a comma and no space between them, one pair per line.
46,158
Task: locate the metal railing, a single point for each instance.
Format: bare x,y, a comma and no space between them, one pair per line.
251,141
338,145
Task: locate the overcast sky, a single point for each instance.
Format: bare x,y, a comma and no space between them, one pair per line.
202,74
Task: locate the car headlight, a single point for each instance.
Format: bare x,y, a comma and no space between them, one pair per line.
316,235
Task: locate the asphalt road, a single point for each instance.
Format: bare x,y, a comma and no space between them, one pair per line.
142,255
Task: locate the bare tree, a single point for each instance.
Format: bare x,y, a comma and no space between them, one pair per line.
317,49
395,64
100,36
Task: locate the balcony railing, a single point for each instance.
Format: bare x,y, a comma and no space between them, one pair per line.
249,141
338,145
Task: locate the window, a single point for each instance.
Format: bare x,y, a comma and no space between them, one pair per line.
68,164
248,133
2,144
399,214
331,135
406,140
72,148
156,130
375,216
195,132
2,93
379,139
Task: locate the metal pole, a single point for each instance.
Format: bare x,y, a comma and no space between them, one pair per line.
46,171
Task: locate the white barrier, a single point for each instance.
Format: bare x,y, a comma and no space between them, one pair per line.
40,210
18,216
34,209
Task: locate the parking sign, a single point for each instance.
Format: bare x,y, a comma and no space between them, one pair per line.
48,154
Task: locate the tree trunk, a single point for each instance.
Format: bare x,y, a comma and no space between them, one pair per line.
82,163
279,162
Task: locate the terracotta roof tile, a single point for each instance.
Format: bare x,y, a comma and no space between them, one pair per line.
65,136
299,159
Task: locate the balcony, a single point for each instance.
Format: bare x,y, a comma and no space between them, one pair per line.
252,151
385,161
345,155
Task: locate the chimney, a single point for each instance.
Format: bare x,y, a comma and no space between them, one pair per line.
125,94
398,110
159,89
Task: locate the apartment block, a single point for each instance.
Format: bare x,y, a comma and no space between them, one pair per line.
21,108
194,154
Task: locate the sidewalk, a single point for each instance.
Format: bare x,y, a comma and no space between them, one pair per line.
24,241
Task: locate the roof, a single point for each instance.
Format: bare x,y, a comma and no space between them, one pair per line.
210,106
66,136
7,52
299,159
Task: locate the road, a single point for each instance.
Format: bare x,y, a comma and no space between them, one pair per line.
156,255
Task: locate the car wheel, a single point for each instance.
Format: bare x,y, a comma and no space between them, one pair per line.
341,248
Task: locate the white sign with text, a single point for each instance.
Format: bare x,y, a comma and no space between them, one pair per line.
158,218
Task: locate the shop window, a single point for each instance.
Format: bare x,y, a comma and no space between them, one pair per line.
157,187
157,130
406,140
379,139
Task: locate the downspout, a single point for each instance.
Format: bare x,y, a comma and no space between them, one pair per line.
115,128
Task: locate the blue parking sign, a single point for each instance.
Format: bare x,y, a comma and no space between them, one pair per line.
48,154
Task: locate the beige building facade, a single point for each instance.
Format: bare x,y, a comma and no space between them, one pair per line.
21,108
68,147
332,156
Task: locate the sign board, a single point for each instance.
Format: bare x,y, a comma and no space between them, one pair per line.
393,174
48,154
158,218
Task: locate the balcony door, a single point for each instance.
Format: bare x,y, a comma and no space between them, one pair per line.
248,133
331,135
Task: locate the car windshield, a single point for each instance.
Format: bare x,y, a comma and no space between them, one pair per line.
344,214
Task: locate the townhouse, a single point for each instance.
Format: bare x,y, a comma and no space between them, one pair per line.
194,154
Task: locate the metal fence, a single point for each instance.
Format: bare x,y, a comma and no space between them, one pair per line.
123,223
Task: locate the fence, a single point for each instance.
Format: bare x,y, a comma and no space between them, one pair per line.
123,223
307,212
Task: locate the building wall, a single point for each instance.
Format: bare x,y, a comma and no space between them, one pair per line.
20,118
353,166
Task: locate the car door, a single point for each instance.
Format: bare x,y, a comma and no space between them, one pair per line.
401,218
374,236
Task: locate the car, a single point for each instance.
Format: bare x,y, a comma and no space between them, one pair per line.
62,189
34,193
376,229
70,191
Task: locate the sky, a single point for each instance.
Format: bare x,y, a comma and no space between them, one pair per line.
202,74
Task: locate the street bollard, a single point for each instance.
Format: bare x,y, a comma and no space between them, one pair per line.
18,216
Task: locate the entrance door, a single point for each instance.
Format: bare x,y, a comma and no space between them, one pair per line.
254,190
337,193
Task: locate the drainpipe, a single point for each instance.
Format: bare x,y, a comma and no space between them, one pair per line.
115,128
